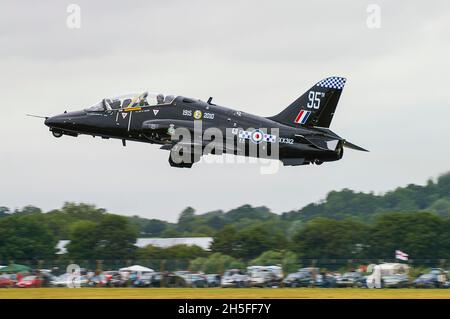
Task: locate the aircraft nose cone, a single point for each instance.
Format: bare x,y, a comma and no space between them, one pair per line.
50,121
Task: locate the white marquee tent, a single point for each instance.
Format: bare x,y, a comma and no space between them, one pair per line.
136,268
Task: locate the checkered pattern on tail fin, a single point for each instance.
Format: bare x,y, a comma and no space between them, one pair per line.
333,82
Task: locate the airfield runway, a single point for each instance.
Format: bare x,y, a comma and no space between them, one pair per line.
221,293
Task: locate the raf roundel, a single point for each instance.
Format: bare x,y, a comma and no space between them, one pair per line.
257,136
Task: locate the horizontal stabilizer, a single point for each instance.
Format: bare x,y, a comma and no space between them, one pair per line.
354,147
323,143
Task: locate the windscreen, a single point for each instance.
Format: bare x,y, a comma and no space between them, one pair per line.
132,100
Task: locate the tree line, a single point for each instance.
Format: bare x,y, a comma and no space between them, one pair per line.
345,225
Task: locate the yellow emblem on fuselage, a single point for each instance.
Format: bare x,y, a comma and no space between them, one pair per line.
198,115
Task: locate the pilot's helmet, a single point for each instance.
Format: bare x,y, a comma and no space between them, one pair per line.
160,98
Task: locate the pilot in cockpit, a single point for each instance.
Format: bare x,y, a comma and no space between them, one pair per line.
142,99
160,98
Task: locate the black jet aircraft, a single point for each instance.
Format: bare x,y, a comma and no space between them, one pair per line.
303,135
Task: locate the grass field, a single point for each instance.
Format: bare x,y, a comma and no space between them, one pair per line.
217,293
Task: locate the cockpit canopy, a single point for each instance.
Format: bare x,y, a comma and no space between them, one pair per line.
132,100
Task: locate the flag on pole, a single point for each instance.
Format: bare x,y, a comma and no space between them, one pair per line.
401,255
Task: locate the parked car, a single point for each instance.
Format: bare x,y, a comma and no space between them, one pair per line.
116,280
325,281
97,281
109,274
60,281
395,281
264,278
297,279
157,280
308,277
429,280
195,280
46,278
235,278
143,281
66,280
167,280
7,281
442,276
29,282
213,280
436,278
351,279
276,270
426,281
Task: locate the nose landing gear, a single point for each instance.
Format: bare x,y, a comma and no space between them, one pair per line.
318,162
57,134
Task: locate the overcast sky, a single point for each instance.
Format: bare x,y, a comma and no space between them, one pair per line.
256,56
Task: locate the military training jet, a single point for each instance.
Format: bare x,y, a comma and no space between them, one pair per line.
300,132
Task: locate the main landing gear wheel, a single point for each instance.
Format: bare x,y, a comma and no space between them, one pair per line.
318,162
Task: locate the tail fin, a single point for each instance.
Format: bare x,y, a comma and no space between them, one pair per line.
315,107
